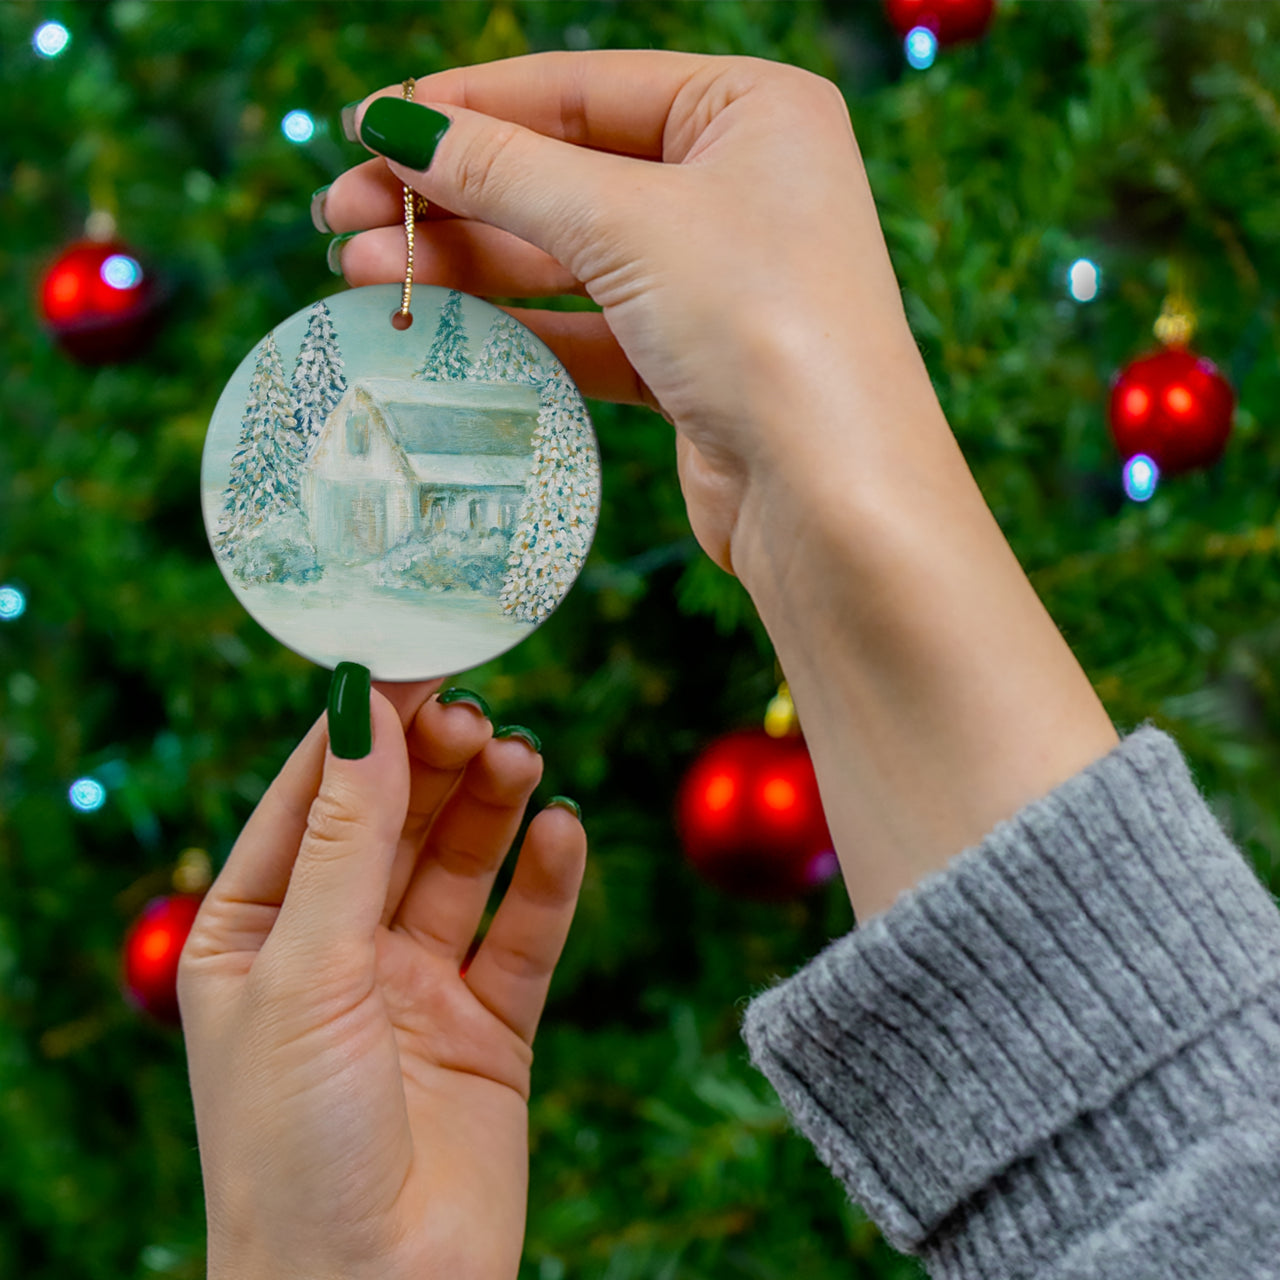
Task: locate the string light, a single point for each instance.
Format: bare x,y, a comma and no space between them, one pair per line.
1083,280
50,39
121,271
298,126
921,47
1141,475
13,604
87,795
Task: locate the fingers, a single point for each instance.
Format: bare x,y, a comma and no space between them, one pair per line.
407,698
442,739
241,905
511,972
338,885
610,100
457,254
446,895
546,192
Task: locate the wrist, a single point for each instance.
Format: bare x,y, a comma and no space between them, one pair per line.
936,693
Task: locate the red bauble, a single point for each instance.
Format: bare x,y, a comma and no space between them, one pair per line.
151,952
1175,407
98,302
950,20
751,819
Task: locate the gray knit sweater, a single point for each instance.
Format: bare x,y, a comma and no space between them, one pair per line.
1059,1057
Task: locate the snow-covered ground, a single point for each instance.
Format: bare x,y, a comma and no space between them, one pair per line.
398,635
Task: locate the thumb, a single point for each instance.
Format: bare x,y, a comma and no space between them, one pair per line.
339,882
552,194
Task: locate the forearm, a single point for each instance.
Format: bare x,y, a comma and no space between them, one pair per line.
936,693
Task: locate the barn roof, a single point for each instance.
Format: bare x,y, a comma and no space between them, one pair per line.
463,417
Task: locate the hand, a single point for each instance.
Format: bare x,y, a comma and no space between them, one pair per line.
744,280
718,211
361,1106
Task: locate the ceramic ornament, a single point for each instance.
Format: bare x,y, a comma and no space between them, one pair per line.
416,500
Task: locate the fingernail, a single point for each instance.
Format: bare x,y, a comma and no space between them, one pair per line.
317,210
333,255
349,121
563,802
403,131
527,736
450,696
350,727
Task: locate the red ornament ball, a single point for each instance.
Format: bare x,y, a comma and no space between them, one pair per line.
751,819
1175,407
98,302
952,21
151,951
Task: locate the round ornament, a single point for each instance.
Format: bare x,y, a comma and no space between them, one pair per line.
951,21
1173,406
98,302
751,819
152,949
413,499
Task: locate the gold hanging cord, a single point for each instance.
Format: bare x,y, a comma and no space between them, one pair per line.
415,206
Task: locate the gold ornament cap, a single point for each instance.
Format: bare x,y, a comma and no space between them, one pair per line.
1176,325
194,872
780,719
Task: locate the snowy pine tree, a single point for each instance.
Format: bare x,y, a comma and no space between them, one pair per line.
264,478
561,501
318,378
508,355
447,360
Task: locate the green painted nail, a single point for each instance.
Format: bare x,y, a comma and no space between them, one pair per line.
450,696
563,802
403,131
317,209
333,255
348,118
350,727
527,736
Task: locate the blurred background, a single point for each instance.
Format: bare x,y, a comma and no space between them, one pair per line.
1049,185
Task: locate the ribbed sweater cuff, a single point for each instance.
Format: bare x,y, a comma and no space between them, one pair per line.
1044,1009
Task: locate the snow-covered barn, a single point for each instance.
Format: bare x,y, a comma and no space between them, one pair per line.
397,458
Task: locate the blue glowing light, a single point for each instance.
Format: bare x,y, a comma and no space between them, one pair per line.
1141,475
1083,280
121,271
921,47
13,604
50,39
298,126
87,794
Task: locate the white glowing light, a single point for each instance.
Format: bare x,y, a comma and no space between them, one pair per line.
121,271
921,47
50,39
1141,475
87,794
13,604
1083,280
298,126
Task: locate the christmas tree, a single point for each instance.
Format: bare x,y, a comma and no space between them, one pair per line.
318,380
558,514
264,469
509,355
1128,134
447,360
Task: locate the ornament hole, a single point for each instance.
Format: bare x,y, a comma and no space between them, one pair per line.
401,320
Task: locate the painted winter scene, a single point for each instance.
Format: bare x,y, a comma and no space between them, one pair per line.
418,500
